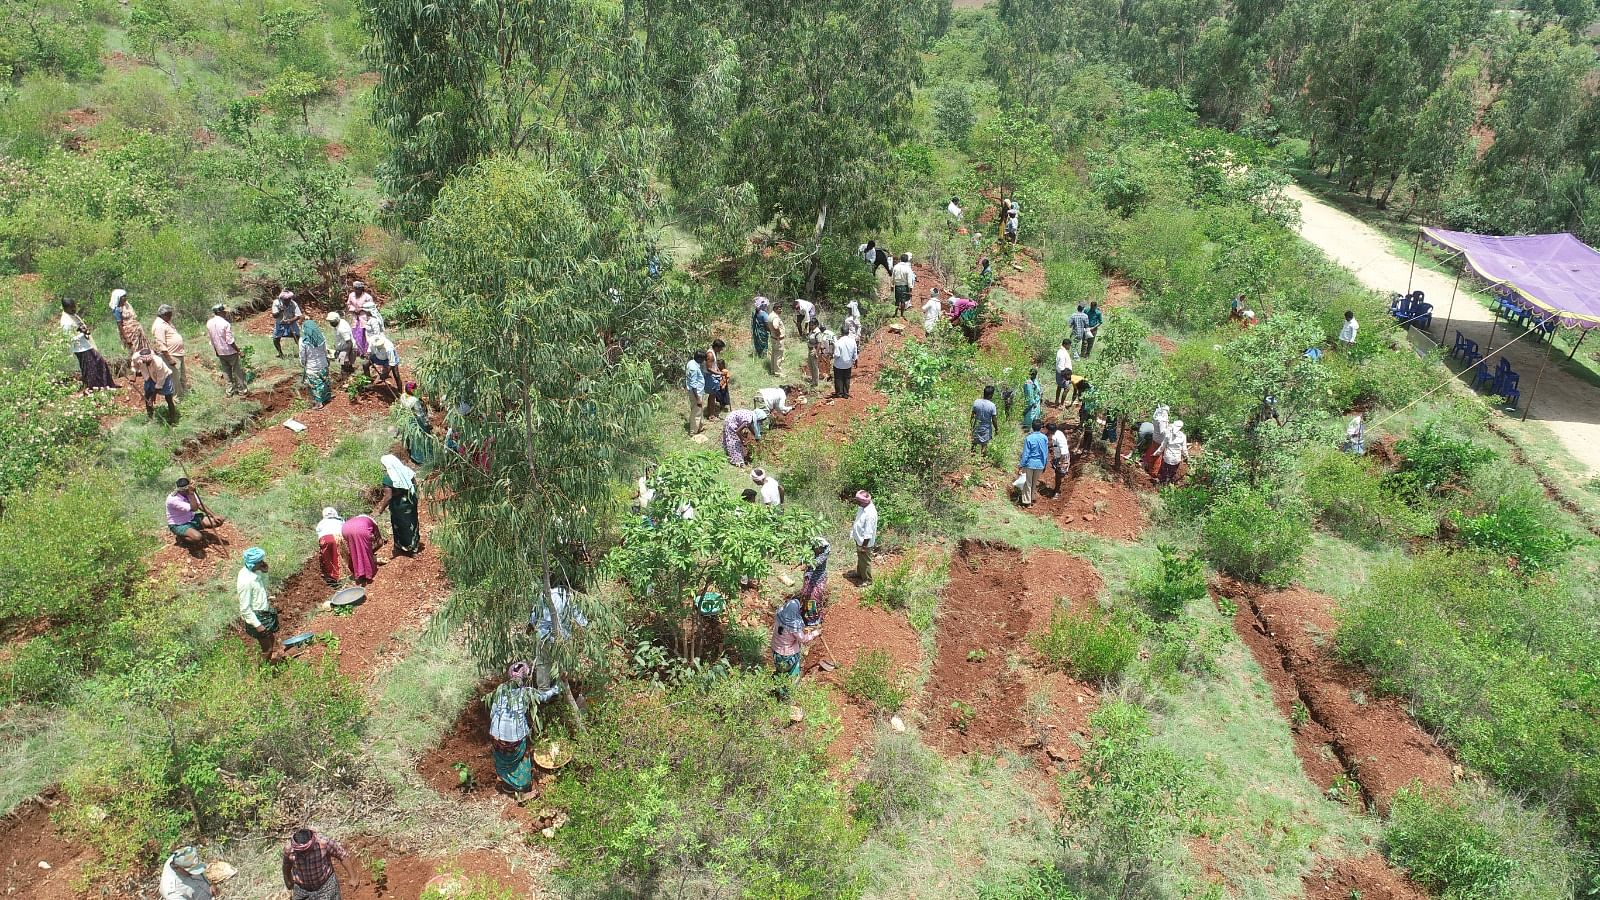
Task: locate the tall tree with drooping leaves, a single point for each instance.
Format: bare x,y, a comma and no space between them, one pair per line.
462,79
543,313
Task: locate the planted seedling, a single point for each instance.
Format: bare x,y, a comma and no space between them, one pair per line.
465,779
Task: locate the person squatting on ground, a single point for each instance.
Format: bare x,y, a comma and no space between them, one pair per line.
187,517
255,605
789,639
864,533
183,876
308,866
740,434
1035,456
510,722
344,344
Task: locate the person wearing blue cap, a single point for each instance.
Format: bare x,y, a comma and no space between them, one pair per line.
255,606
184,876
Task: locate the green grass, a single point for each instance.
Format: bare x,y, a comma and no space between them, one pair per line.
1003,522
1338,568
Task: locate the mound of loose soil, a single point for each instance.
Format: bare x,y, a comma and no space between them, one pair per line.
467,742
406,876
36,860
1345,729
851,630
1107,508
996,596
1368,877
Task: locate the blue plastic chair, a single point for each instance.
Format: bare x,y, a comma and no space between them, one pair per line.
1460,345
1469,352
1485,376
1422,315
1510,388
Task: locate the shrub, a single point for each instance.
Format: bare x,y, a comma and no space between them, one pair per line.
251,473
1349,497
902,455
1187,646
872,679
1468,845
236,735
900,784
1090,644
1039,882
953,115
1247,535
1434,460
694,790
1512,528
65,555
43,423
1181,578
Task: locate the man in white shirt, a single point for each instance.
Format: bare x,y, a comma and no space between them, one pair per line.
864,532
931,310
1063,371
768,490
845,352
285,320
1174,450
344,343
168,344
1060,455
955,211
1347,334
905,279
773,400
805,312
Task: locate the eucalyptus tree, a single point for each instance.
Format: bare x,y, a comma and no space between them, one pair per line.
538,306
459,80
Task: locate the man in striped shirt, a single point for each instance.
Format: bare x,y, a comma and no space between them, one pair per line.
308,866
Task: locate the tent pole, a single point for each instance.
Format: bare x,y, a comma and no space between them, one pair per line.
1415,246
1489,347
1581,335
1527,407
1443,335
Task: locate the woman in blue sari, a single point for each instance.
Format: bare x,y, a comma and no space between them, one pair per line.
510,711
1032,398
759,333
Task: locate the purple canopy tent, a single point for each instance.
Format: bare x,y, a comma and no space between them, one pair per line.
1555,274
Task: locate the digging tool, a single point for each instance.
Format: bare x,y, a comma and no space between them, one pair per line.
827,665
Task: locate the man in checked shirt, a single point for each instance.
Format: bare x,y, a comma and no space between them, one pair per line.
308,866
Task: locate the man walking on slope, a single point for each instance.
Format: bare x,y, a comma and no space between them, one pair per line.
1095,317
222,343
1063,371
905,279
1080,326
845,352
694,381
1035,455
864,532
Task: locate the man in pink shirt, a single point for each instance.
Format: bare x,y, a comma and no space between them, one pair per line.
187,516
221,335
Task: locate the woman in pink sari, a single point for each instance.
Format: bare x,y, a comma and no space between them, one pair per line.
362,539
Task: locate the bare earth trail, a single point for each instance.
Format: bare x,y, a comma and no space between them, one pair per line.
1565,404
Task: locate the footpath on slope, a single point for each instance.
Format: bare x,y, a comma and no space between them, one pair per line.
1564,403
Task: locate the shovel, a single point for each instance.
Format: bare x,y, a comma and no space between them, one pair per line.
827,665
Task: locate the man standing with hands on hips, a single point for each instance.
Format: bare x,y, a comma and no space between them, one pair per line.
864,533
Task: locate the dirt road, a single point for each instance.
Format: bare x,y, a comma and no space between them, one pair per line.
1568,406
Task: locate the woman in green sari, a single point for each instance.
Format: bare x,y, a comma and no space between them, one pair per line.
510,710
1032,400
314,358
400,499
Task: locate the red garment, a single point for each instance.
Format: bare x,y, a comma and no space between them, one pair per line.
360,537
328,556
311,864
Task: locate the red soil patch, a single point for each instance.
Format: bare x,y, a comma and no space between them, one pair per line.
995,597
406,875
1368,877
1348,729
467,742
1120,292
1027,284
836,414
28,838
83,117
1060,729
195,563
1163,343
335,151
1107,508
852,630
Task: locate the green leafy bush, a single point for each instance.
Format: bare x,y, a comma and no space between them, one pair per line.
1185,646
44,424
1039,882
1349,497
953,115
872,679
1249,535
1181,578
1470,846
1434,459
210,769
1087,644
902,457
900,782
700,793
1507,668
1514,529
64,555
